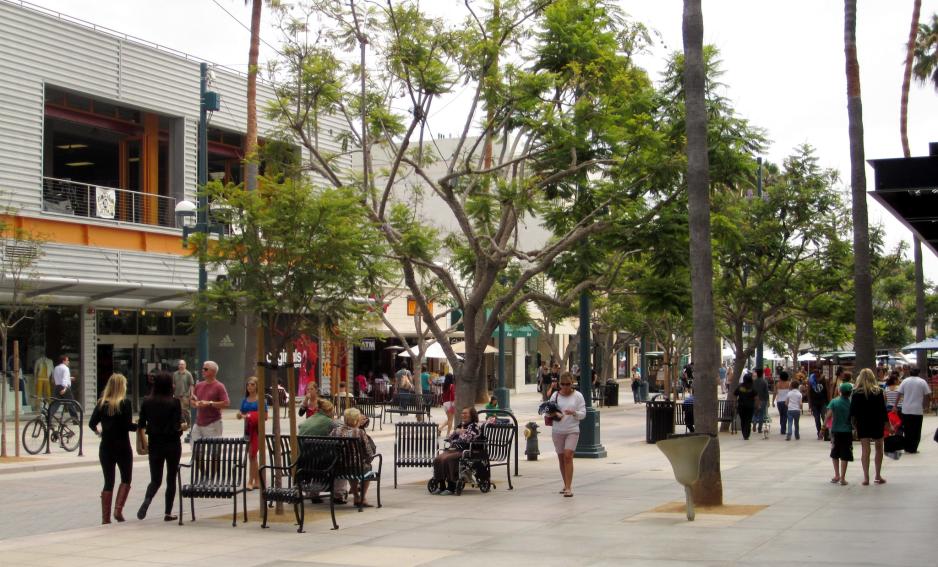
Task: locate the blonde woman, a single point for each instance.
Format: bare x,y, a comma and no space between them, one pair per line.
868,414
249,413
115,415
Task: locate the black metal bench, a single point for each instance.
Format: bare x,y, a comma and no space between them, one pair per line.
352,463
726,413
314,470
415,445
408,404
508,418
373,410
499,438
217,470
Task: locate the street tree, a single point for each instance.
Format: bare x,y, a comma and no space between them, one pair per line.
863,341
554,88
20,250
298,255
778,252
709,489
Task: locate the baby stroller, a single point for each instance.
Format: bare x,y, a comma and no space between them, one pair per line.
473,469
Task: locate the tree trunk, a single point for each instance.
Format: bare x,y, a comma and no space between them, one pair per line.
907,79
863,287
708,490
921,359
251,168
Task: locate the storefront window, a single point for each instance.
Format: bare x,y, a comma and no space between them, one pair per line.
155,323
117,322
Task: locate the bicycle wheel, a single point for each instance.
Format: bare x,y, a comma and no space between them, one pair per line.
34,436
69,433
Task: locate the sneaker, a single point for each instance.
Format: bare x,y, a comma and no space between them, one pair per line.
797,437
788,438
444,493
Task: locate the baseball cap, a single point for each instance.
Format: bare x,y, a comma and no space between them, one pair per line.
846,388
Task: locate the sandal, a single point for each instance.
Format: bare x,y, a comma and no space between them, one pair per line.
843,482
835,480
880,481
568,494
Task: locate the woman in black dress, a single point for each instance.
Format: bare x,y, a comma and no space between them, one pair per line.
161,416
114,413
868,413
745,404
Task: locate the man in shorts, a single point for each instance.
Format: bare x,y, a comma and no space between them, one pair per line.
209,398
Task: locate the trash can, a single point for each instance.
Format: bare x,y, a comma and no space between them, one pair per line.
659,420
612,393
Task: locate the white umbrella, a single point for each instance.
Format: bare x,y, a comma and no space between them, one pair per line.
460,348
433,351
927,344
807,357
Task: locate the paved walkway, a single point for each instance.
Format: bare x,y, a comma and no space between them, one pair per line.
785,512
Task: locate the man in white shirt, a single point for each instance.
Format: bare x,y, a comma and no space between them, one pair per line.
62,377
914,396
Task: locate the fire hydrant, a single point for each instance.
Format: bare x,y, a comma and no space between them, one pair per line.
531,450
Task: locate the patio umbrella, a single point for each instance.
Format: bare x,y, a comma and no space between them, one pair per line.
460,348
433,351
807,357
927,344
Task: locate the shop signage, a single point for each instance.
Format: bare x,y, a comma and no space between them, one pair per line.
368,344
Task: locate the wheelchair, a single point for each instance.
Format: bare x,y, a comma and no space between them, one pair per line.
473,469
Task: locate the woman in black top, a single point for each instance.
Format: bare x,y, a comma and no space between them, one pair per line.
745,404
115,415
868,413
160,416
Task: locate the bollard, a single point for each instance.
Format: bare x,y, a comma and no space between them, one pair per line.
531,450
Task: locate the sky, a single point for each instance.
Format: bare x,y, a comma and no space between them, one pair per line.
783,65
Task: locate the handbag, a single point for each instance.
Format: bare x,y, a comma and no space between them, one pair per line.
143,448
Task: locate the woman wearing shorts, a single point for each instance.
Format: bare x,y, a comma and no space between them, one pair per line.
566,428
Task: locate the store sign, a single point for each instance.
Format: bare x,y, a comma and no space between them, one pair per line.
368,344
282,357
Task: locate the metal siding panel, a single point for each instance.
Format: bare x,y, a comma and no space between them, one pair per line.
159,81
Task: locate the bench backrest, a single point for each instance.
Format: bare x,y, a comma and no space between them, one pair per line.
350,454
367,406
218,461
498,440
415,444
726,410
317,459
413,403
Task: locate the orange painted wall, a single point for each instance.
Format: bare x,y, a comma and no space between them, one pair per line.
121,238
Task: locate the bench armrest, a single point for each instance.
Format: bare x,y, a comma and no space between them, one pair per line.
380,461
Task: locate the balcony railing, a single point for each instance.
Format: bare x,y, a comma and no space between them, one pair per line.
107,203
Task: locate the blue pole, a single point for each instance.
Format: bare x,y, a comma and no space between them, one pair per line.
202,208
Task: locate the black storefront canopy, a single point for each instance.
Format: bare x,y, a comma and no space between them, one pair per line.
908,187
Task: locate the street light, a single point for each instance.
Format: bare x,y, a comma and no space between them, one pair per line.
501,392
193,218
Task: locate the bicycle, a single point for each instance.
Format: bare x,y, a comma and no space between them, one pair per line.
64,430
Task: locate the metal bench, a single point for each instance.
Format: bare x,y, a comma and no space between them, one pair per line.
407,404
508,418
499,438
352,462
415,445
726,413
314,470
373,410
217,470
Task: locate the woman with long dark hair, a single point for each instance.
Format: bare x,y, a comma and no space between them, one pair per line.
115,414
161,416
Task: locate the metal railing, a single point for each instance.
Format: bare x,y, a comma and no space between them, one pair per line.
107,203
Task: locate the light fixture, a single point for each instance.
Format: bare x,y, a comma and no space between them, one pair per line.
72,146
167,313
143,312
116,311
133,159
185,214
79,163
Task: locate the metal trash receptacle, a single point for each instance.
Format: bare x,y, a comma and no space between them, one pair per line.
659,420
611,393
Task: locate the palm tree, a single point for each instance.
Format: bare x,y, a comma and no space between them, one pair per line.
709,489
863,286
926,53
906,152
907,79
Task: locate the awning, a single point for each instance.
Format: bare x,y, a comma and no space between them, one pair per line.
927,344
908,188
82,291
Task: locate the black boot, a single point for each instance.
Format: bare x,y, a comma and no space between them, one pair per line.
142,512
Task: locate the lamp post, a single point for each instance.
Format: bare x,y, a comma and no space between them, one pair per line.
502,394
759,362
186,212
588,444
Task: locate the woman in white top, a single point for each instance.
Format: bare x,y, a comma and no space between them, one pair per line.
794,410
566,427
780,398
